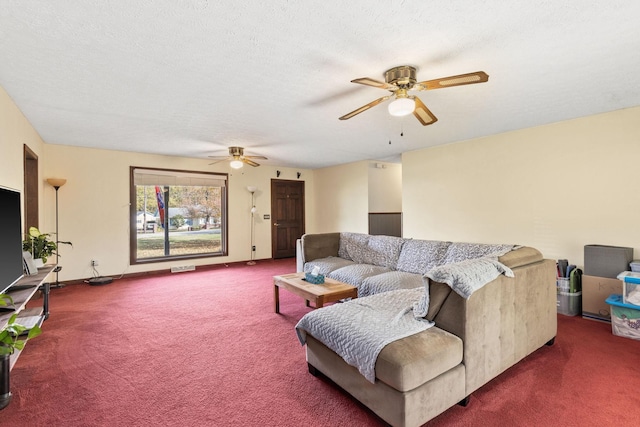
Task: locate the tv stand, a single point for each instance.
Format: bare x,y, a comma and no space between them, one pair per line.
22,292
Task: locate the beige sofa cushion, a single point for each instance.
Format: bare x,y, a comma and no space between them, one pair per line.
412,361
320,245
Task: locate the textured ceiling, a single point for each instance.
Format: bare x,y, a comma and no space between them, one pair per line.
192,77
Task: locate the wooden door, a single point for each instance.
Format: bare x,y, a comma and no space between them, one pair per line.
31,185
287,216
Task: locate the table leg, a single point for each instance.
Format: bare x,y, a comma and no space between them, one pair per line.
276,297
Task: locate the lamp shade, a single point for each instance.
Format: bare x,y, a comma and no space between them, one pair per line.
402,107
235,164
56,182
252,189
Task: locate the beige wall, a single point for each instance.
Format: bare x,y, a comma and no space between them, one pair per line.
15,131
555,187
342,198
94,203
385,187
94,207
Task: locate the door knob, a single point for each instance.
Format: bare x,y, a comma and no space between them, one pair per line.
276,224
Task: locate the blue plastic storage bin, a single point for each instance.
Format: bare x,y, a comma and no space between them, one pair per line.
625,318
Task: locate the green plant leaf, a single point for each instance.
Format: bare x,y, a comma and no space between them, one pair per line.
6,300
34,332
34,232
9,341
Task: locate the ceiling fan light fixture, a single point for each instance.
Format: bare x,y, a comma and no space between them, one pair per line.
402,107
235,164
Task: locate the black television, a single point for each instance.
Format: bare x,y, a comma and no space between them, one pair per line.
11,264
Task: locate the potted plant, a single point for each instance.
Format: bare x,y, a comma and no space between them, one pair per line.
39,245
9,343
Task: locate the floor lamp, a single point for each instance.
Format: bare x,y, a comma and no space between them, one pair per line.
252,190
57,183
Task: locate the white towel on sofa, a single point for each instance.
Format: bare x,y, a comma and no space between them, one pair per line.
466,277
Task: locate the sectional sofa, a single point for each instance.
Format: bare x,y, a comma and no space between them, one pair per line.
474,336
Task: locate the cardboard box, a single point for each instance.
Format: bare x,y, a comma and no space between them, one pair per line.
606,261
595,291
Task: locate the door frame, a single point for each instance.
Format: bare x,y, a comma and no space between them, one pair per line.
272,217
31,187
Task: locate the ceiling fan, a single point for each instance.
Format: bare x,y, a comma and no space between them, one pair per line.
237,157
400,80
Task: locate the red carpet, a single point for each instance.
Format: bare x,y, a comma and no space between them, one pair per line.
206,349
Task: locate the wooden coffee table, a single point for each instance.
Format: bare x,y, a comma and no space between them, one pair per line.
330,290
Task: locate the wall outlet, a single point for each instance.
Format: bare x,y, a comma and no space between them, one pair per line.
253,248
94,263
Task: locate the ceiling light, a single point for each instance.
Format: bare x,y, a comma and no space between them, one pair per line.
402,107
235,164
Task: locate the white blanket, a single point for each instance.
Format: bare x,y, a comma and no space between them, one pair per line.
359,329
466,277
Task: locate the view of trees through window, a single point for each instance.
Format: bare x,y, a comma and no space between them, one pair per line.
179,220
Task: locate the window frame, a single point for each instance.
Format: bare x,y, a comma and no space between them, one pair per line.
133,233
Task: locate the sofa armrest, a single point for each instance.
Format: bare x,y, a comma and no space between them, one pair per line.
322,245
522,256
299,261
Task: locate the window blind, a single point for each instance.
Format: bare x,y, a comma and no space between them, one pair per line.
177,178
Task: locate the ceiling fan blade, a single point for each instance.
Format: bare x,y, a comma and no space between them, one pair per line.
423,114
249,162
375,83
459,80
218,159
256,157
365,107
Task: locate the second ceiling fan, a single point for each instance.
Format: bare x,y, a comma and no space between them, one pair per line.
237,157
401,80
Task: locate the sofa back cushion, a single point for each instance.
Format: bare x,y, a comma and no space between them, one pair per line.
382,251
438,293
320,245
459,251
352,244
420,256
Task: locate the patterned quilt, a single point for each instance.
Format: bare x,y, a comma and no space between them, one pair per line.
359,329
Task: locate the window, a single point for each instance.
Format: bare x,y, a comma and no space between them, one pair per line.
177,214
